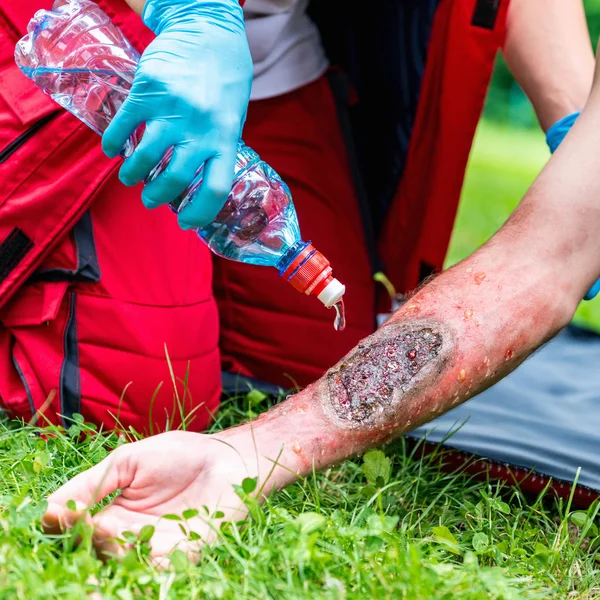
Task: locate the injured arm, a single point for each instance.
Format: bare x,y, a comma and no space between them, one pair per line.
457,336
462,332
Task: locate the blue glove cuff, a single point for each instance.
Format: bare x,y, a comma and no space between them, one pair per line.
593,291
556,134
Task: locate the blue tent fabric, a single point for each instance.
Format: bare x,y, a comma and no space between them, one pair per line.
544,416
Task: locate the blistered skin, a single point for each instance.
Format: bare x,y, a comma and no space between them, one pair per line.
370,384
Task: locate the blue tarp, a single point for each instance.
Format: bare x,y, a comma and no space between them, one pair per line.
544,416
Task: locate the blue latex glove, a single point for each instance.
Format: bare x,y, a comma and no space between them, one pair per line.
554,136
191,88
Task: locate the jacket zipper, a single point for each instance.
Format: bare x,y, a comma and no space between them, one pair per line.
19,141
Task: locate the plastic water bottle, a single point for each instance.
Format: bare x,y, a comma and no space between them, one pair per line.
79,57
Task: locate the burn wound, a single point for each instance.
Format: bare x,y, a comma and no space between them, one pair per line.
364,385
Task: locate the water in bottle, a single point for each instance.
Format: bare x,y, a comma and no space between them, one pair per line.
79,57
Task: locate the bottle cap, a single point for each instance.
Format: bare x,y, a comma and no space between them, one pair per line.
332,293
310,274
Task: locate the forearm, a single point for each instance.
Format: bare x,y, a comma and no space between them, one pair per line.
549,52
457,336
461,333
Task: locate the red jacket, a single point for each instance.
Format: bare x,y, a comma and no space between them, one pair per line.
91,286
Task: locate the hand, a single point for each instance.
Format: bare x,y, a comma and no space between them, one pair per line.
165,474
191,88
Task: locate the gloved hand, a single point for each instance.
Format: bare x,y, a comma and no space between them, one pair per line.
191,88
554,136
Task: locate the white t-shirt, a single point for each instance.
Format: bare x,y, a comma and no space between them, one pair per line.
285,45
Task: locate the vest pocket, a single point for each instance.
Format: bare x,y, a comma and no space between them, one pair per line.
33,337
34,304
20,140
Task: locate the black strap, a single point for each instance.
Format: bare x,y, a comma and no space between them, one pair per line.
88,268
12,251
486,13
340,88
70,374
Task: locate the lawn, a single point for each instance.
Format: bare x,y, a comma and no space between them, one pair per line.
503,164
387,526
390,525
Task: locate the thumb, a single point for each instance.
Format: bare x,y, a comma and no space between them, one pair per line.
123,124
86,490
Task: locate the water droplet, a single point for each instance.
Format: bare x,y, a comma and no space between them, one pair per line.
340,316
412,354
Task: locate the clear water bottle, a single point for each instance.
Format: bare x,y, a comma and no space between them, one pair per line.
79,57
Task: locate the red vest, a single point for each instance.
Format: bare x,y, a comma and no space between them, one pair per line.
92,286
465,39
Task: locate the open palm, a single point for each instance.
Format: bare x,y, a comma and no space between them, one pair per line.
163,475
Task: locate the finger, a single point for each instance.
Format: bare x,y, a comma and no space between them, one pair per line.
111,523
173,181
59,518
164,543
86,489
108,529
124,123
216,185
146,156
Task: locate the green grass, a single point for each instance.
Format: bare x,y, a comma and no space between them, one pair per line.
393,526
504,162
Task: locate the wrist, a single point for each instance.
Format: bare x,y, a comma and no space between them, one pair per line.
269,449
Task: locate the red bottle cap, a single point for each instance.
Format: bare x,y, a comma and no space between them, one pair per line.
310,273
